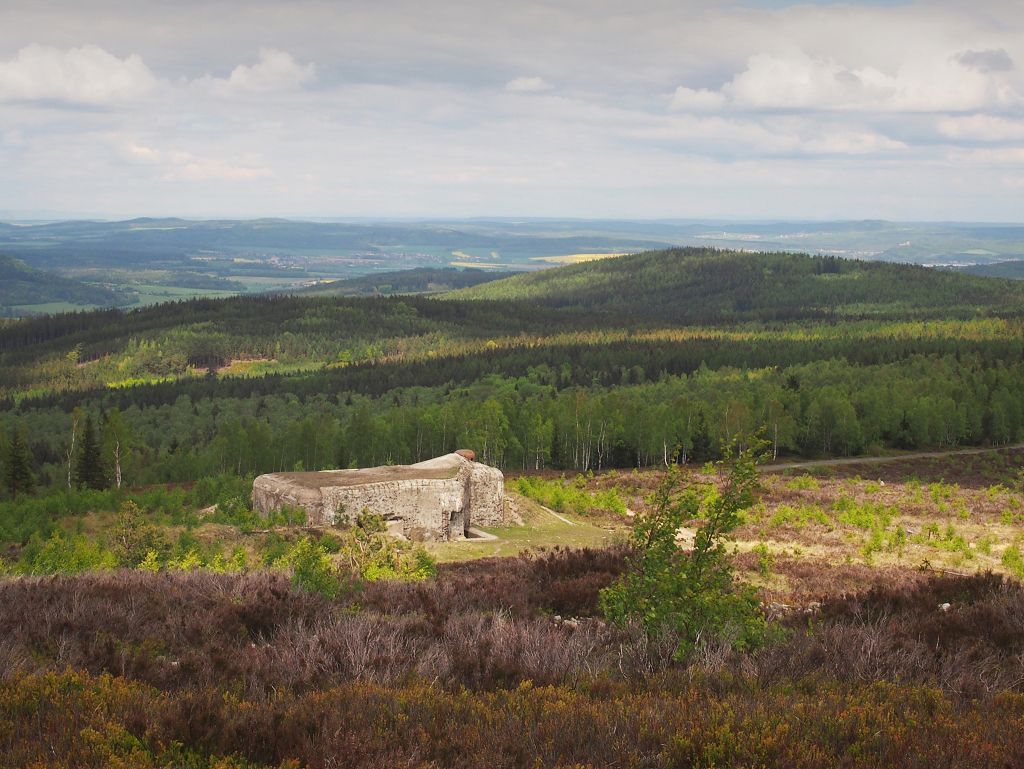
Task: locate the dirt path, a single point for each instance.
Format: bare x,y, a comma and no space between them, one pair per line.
891,458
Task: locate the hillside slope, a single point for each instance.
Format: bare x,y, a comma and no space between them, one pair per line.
24,285
704,285
1009,269
422,280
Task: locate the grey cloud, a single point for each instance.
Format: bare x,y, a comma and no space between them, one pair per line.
993,60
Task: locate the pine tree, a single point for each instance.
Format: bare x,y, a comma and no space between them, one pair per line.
89,469
702,449
18,477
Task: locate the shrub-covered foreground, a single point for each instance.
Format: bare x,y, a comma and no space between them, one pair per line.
495,663
73,719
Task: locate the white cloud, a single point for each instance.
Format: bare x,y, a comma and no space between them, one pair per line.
985,128
855,109
87,75
527,85
184,166
696,100
275,71
796,80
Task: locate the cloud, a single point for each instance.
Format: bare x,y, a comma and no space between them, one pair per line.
796,80
993,60
696,100
275,71
87,75
984,128
184,166
527,85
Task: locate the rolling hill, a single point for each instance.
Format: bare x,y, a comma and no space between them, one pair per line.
24,285
690,285
1013,269
422,280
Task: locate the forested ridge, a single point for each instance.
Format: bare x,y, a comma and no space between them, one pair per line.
21,284
581,367
690,285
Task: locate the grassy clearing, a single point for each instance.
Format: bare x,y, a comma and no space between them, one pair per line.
540,529
574,258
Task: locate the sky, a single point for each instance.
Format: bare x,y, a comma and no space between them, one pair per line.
578,108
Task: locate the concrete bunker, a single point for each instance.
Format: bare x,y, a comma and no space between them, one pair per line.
439,499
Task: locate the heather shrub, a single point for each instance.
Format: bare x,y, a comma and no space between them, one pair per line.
71,719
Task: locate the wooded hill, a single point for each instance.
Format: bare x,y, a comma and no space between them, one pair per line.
690,285
575,368
21,284
422,280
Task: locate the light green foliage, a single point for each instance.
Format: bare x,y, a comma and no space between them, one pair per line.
151,562
996,491
190,561
863,515
65,554
571,496
312,568
871,487
947,539
803,483
942,492
372,554
799,517
765,559
690,594
1014,561
236,511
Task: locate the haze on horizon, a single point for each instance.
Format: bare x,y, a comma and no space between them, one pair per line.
674,109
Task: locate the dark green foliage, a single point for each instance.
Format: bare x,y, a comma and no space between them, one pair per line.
418,281
21,284
134,537
89,470
696,285
690,594
702,447
17,460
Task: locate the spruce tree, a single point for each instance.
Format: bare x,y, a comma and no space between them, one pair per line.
702,450
89,469
18,477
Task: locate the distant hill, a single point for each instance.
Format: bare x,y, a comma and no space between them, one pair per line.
708,285
24,285
422,280
1010,269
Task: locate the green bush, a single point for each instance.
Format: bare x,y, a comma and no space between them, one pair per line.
312,569
65,554
1014,561
692,595
566,496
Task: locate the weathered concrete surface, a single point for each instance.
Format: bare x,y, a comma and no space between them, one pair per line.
434,500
